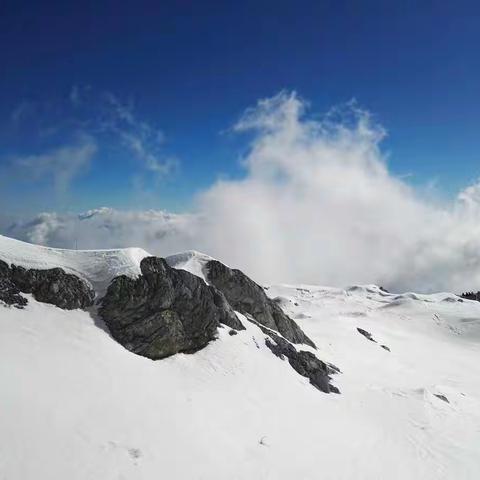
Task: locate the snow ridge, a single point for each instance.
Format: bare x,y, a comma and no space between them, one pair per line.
96,267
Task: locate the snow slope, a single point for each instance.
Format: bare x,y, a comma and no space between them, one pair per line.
75,404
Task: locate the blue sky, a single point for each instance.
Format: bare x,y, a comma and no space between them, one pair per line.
185,72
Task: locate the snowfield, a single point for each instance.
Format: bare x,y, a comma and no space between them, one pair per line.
76,405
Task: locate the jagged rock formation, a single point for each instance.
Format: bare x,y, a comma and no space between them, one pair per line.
164,311
304,363
248,298
52,286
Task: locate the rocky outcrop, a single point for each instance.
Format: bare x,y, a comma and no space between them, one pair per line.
471,296
164,311
248,298
368,336
304,363
9,293
52,286
442,397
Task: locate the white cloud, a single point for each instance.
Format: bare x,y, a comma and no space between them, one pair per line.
160,232
317,204
144,141
60,165
100,119
159,167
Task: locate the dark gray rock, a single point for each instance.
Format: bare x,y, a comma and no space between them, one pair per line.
9,293
471,296
304,363
442,397
366,334
52,286
248,298
164,311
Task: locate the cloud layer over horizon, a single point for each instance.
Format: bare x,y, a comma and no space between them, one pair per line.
317,204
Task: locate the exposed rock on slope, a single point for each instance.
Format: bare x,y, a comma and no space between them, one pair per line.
245,296
152,308
304,363
164,311
52,286
368,336
471,296
9,293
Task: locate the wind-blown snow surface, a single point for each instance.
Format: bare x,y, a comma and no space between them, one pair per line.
75,404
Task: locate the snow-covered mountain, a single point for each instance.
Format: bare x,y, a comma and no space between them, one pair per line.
76,404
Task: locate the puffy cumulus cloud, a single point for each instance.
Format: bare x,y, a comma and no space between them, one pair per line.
317,204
